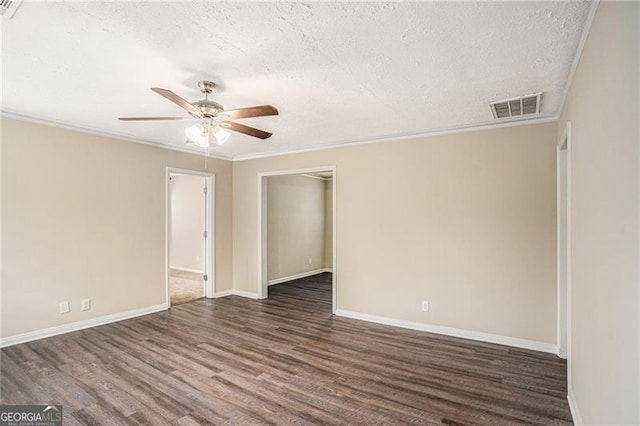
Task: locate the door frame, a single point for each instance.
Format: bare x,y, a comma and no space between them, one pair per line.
209,247
262,283
563,179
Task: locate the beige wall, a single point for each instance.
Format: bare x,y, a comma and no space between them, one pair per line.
466,221
84,217
603,109
328,224
187,222
295,225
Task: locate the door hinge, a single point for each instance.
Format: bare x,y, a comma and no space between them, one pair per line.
205,277
204,190
204,234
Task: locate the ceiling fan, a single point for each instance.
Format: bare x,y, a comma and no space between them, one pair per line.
213,119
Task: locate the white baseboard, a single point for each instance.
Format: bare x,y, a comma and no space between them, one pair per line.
562,353
234,292
573,406
455,332
247,294
298,276
179,268
79,325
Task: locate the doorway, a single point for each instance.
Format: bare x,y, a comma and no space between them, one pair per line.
190,251
297,234
564,243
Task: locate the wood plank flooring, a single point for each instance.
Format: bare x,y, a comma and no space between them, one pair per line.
284,360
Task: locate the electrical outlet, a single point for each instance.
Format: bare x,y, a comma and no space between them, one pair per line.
64,307
425,305
85,305
310,261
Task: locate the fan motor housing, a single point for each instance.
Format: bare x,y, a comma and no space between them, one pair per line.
209,108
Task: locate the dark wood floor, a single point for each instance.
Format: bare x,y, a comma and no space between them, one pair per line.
284,360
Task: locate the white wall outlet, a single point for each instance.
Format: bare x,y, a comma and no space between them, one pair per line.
85,305
310,261
64,307
425,305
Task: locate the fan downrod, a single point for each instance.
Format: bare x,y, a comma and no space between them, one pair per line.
209,108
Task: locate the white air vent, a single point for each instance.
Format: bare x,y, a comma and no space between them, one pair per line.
515,107
8,7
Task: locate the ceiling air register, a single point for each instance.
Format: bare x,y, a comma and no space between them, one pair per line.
516,107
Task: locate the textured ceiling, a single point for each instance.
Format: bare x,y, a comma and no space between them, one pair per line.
338,72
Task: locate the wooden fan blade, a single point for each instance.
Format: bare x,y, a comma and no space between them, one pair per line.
178,101
153,118
241,128
256,111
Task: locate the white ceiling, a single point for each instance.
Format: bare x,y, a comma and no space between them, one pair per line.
338,72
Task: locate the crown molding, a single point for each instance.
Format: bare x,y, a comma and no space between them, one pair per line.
498,124
101,133
547,118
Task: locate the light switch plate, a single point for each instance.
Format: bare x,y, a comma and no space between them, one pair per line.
85,305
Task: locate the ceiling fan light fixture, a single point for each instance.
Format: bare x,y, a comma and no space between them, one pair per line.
212,117
221,135
198,134
201,134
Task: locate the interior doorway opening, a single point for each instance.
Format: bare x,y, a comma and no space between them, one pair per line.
189,236
297,235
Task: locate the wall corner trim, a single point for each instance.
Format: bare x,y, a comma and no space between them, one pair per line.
573,406
223,293
79,325
454,332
